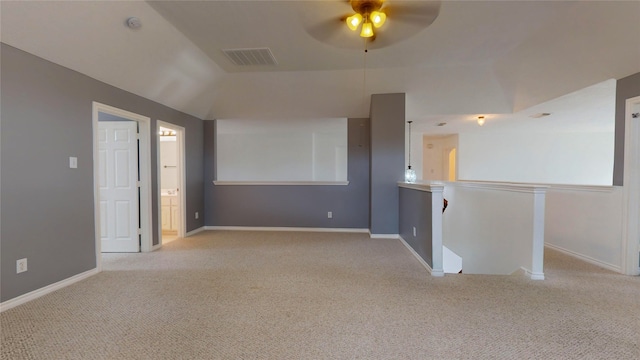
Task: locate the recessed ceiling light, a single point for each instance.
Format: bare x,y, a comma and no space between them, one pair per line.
539,115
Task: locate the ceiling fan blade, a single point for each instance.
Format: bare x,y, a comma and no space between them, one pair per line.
419,13
334,32
404,20
325,22
328,31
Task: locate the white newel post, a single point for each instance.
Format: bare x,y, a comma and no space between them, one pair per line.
436,229
537,261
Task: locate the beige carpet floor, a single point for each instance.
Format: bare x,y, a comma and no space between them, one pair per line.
288,295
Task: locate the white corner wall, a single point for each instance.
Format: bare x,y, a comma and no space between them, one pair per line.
584,158
586,222
494,227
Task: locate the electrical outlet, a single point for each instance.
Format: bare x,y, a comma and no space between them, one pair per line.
73,162
414,231
21,265
197,215
330,215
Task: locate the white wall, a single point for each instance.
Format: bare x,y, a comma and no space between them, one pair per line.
587,222
281,150
491,226
268,157
552,158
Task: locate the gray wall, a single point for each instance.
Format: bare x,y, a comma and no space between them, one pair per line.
626,88
415,210
387,160
47,209
292,206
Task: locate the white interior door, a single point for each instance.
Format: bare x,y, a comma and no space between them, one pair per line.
119,216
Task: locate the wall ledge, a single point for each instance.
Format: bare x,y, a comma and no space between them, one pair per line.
503,186
587,188
423,186
570,187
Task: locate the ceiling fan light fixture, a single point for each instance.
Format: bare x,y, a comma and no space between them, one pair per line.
353,21
378,18
367,16
367,30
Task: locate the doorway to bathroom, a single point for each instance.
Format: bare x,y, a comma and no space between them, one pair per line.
171,179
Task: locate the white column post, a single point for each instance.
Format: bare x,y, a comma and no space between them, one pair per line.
537,261
437,268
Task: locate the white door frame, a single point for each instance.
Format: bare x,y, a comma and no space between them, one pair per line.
182,198
631,206
144,126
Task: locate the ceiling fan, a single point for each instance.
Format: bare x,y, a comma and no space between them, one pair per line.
380,22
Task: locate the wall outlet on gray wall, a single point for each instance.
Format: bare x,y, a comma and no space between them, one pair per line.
197,215
414,231
330,215
21,265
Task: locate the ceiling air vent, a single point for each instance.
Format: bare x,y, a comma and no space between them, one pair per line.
248,57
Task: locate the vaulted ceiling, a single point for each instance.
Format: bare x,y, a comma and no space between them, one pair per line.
477,57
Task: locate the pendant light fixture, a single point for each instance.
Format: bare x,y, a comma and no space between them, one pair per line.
409,174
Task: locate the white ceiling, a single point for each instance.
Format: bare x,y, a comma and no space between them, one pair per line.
494,58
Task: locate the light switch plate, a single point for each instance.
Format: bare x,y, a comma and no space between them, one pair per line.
73,162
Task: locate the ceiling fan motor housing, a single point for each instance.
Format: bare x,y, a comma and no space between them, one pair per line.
366,6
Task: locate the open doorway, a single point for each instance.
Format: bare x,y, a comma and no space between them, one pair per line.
439,157
122,180
171,179
451,164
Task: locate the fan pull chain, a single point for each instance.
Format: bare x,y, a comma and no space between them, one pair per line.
364,77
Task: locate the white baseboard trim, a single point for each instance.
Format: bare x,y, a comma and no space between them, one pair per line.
383,236
46,290
193,232
156,247
436,273
532,275
301,229
586,258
